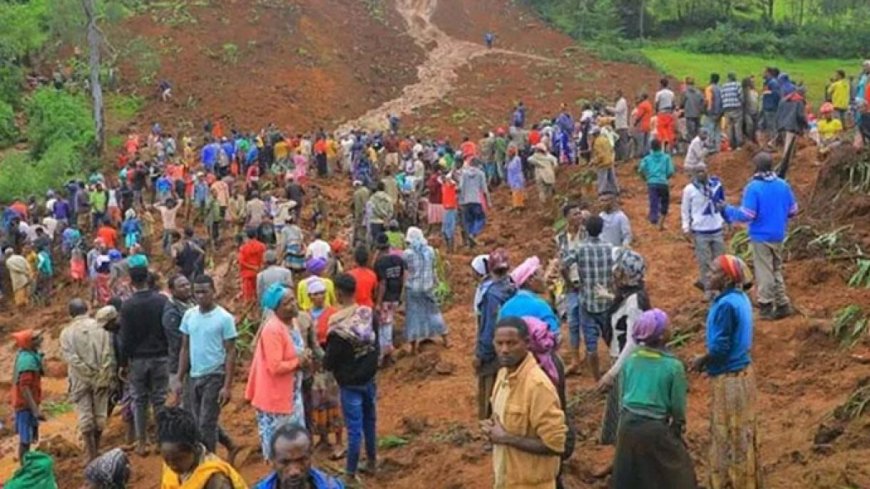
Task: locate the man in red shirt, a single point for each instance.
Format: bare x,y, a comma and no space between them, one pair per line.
251,256
108,234
642,119
468,148
450,204
366,279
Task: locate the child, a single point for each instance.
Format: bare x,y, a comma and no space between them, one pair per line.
27,388
657,168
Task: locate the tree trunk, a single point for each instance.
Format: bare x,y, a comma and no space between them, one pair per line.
641,16
770,4
94,45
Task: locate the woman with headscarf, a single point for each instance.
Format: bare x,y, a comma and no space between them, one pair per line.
423,318
734,457
320,390
629,303
544,346
275,377
110,470
528,301
315,268
650,452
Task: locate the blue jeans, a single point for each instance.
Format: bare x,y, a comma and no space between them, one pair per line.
714,129
473,218
448,225
659,199
573,301
593,324
358,405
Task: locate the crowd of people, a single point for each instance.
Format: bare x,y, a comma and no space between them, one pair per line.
148,336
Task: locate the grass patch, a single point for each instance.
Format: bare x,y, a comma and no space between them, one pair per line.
815,73
56,408
124,107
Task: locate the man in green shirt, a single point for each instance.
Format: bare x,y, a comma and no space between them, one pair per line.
99,199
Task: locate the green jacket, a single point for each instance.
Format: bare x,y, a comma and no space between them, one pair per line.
656,168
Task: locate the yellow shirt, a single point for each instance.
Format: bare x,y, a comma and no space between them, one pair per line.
830,129
527,404
304,301
839,93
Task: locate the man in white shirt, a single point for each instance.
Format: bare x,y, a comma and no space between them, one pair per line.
697,151
318,249
703,221
620,122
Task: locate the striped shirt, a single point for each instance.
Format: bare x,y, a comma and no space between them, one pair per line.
732,96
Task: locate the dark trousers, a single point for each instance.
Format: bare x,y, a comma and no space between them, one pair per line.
659,200
201,399
359,407
149,382
693,125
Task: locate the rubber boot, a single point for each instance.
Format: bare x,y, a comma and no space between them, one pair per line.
90,440
592,362
575,367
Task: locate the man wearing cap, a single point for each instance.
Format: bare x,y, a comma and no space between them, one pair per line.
495,289
545,171
87,349
768,204
702,219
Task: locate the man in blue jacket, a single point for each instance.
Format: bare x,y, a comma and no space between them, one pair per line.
770,96
291,462
492,293
768,204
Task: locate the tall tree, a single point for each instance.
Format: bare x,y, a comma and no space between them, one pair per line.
94,46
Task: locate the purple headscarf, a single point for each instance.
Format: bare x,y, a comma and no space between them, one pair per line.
315,266
650,326
541,344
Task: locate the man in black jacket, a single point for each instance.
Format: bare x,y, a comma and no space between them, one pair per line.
144,351
352,356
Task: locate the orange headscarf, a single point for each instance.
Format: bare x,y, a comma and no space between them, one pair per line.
734,268
24,338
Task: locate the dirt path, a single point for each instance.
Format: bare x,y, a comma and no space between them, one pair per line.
438,73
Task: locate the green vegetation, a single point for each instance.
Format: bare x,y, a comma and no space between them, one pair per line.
60,131
56,408
124,107
814,73
850,325
8,130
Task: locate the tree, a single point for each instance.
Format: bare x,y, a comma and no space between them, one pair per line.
94,45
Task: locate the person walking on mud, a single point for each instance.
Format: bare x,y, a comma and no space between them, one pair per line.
768,204
87,349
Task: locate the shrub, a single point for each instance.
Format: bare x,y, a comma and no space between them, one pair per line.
8,130
54,115
11,82
729,39
21,176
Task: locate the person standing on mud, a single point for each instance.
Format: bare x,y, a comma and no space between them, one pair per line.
495,289
528,443
735,461
144,351
702,221
207,361
87,349
768,204
351,354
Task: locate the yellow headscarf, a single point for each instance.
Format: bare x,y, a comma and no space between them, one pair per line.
202,474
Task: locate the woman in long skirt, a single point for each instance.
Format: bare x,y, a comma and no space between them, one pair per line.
734,457
650,452
629,302
423,319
